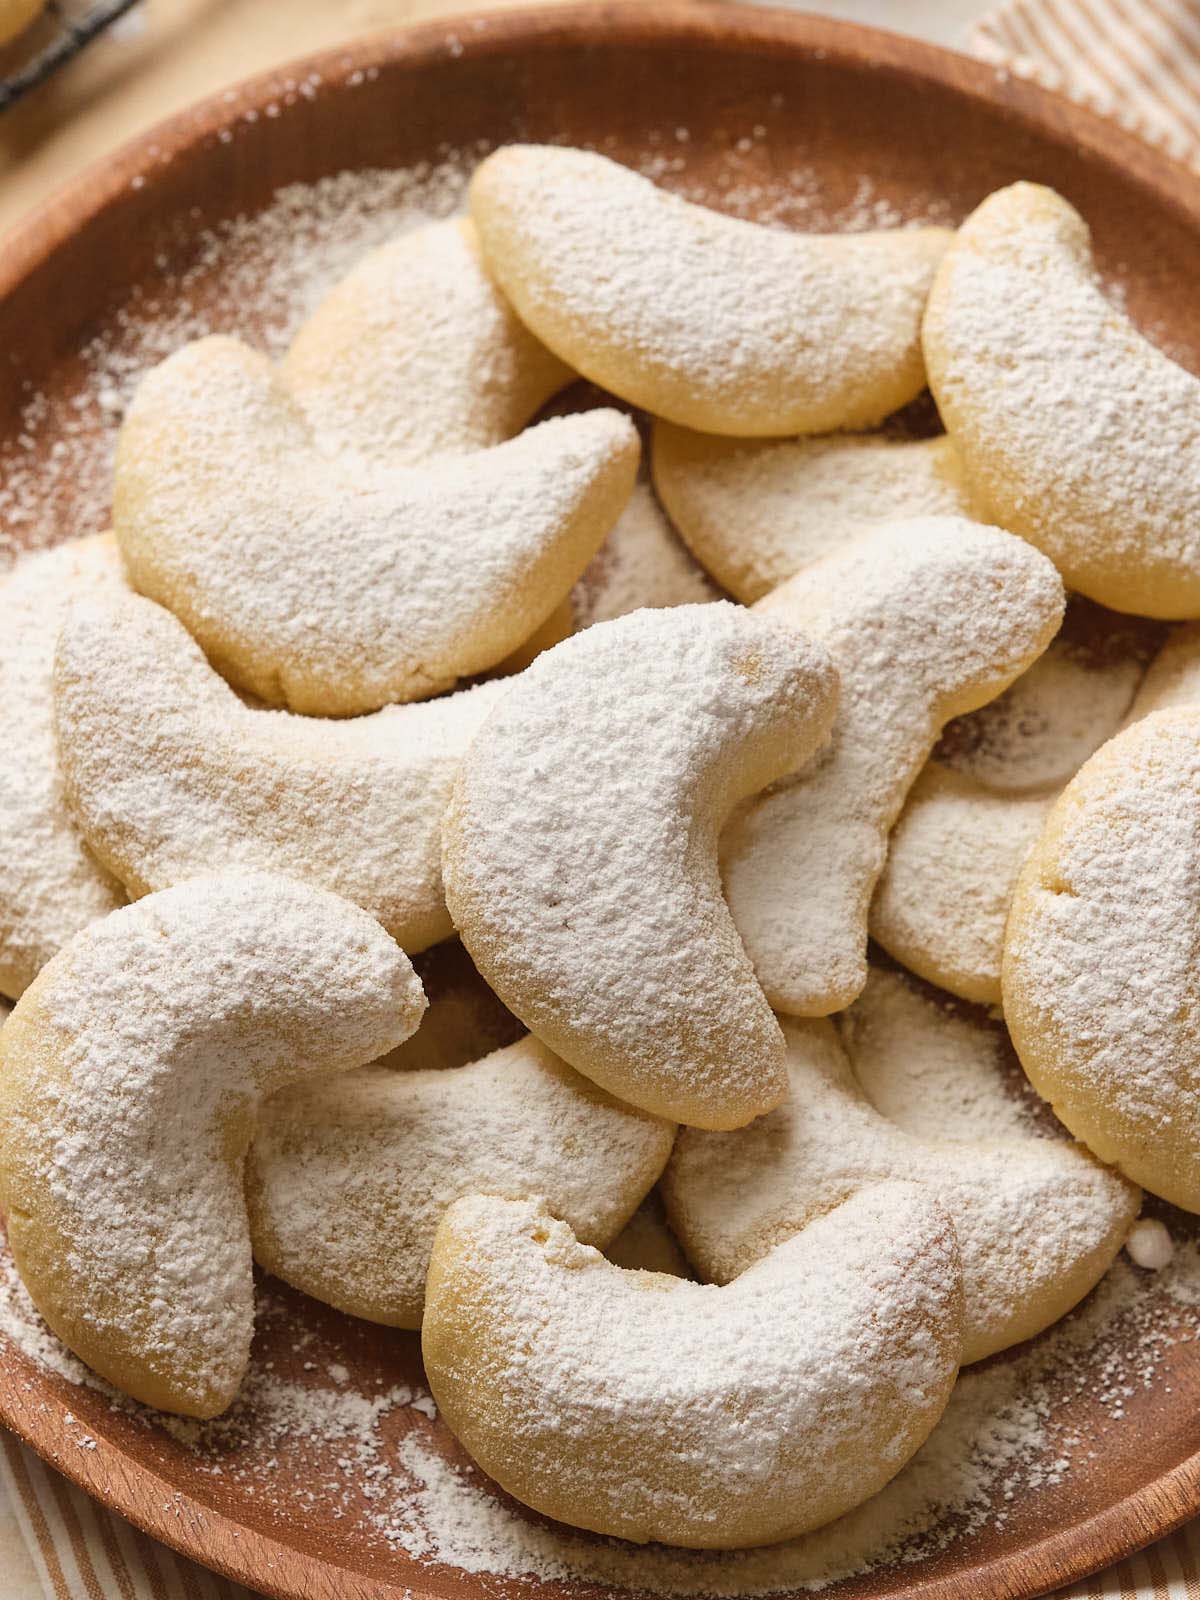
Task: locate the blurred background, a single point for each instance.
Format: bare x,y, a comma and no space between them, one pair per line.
162,54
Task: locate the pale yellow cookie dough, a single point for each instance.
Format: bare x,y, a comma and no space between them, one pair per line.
714,323
347,1178
755,513
643,1406
1079,434
1100,956
167,772
1038,1221
580,849
331,586
131,1072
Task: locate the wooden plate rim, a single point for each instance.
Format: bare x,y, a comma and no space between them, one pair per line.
136,1491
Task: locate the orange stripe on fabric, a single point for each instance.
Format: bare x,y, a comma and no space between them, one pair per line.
107,1536
37,1518
149,1558
1158,91
79,1546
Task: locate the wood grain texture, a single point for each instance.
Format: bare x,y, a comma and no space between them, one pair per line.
838,102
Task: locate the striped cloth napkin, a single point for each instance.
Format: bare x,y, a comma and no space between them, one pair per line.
1137,61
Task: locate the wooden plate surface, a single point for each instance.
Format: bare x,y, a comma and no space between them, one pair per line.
775,109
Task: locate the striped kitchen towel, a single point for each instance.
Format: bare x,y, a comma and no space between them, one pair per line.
1137,61
80,1551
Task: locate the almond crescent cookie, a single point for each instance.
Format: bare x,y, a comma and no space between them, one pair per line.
714,323
925,620
1079,434
415,353
131,1071
168,771
1101,955
580,849
643,1406
755,513
1038,1221
51,885
348,1177
332,586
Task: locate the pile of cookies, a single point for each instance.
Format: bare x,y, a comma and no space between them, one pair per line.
373,658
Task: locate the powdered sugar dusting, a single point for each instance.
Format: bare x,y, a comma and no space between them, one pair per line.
924,618
50,884
652,1407
1011,1438
129,1093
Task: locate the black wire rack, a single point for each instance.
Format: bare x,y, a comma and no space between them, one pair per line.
72,29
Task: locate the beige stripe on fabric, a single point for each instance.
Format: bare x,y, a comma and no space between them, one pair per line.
1137,61
69,1517
32,1519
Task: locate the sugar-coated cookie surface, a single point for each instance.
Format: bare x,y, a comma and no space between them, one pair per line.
1099,974
50,883
348,1177
1040,731
169,772
1080,434
755,513
974,813
334,586
643,1406
1173,677
925,619
937,1068
712,322
1038,1221
130,1074
580,849
953,860
416,353
643,562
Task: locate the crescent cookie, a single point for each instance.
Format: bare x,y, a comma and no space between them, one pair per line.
1173,677
712,322
1038,1221
1079,434
331,586
580,846
967,825
952,863
348,1177
753,514
639,1405
169,772
925,619
1099,974
415,353
50,883
130,1074
937,1068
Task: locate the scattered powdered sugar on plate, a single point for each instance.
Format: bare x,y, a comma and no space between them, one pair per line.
260,276
377,1462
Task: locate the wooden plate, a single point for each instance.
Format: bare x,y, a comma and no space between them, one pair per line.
777,109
